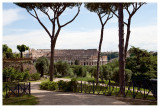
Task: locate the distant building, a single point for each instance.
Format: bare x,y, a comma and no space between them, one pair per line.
84,57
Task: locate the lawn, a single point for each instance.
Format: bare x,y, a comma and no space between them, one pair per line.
23,100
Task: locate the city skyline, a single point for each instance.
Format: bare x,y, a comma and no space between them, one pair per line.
80,34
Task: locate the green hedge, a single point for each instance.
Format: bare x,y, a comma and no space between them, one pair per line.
61,85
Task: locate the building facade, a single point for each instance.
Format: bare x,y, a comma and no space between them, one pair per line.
82,56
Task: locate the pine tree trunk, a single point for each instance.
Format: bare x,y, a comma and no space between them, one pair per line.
51,69
121,50
99,54
21,55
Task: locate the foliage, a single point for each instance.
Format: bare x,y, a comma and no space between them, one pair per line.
42,65
70,72
79,70
115,76
142,64
10,74
7,52
61,84
57,9
76,62
68,86
35,76
49,85
22,48
106,72
98,7
111,55
62,68
52,85
26,75
44,85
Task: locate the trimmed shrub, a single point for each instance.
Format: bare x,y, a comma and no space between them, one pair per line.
68,86
48,85
61,84
44,85
35,76
52,85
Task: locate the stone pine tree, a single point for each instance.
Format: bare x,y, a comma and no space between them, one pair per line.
57,9
123,46
134,7
104,14
22,48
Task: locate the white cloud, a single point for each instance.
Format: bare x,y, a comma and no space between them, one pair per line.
11,15
143,37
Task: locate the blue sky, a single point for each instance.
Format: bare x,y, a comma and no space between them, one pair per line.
21,28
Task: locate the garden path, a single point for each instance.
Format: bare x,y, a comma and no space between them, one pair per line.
68,98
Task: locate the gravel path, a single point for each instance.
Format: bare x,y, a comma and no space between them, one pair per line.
68,98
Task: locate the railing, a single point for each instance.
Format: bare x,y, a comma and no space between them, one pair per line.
17,90
135,89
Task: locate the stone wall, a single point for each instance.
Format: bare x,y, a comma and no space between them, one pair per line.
20,64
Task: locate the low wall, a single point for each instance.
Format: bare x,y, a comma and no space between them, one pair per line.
20,64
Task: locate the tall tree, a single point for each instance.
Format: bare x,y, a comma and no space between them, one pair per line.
131,9
57,10
124,46
121,48
103,13
22,48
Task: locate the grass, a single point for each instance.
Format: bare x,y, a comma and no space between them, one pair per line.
23,100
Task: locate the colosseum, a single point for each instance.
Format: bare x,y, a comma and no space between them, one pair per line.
84,57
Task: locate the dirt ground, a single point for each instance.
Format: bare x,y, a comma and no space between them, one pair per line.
68,98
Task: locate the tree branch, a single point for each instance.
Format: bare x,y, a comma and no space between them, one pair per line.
116,15
100,18
31,14
127,10
104,15
41,23
108,18
46,13
72,19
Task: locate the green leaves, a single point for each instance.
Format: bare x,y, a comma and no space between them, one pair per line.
22,48
142,63
42,65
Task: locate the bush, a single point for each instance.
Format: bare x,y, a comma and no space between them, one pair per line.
52,85
68,86
48,85
9,74
80,71
73,84
70,72
19,76
115,76
44,85
61,68
35,76
61,84
26,76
